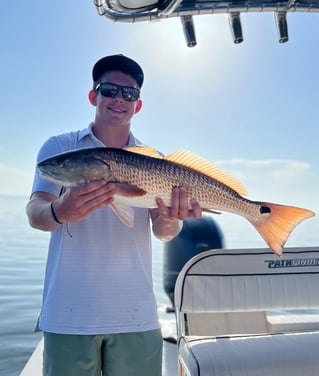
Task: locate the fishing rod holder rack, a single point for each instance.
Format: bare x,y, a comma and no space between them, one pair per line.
152,10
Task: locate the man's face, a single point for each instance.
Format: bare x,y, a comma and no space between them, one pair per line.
116,110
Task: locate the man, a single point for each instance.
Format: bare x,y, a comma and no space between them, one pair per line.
99,313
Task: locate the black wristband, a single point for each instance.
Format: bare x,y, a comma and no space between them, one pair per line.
54,215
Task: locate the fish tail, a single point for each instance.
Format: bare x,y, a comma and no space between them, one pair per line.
276,226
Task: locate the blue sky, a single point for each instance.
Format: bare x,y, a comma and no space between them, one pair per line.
252,108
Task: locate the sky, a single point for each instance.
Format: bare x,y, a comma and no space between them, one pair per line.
251,108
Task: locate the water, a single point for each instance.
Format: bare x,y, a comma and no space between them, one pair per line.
22,262
22,259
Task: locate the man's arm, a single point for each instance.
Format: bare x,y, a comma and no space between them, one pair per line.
168,222
73,206
39,211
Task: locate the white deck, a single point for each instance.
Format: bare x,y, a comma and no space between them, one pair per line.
34,364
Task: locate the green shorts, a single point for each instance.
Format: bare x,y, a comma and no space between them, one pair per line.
129,354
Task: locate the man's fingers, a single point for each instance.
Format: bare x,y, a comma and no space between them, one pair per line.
175,203
163,210
181,207
82,200
183,203
196,209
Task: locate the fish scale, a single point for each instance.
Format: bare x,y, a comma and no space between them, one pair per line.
209,193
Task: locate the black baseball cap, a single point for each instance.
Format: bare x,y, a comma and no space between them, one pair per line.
120,63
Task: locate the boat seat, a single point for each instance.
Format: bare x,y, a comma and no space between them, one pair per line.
224,301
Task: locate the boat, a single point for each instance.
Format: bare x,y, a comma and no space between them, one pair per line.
238,311
157,10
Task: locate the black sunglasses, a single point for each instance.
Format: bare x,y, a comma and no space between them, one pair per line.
111,90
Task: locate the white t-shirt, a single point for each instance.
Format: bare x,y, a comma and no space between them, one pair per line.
99,272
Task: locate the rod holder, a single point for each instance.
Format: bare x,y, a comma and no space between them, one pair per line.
235,27
100,6
282,26
189,30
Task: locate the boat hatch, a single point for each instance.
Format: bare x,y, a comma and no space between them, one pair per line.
149,10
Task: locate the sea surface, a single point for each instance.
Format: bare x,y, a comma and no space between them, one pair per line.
23,253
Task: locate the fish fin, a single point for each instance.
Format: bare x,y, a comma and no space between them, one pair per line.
195,162
145,150
125,213
278,223
128,190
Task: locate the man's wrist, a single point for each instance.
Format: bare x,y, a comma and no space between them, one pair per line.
54,215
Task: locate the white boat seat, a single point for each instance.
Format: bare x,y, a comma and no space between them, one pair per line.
223,302
267,355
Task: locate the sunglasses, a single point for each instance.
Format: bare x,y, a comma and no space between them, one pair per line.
129,93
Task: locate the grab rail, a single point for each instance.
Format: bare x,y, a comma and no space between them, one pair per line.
138,11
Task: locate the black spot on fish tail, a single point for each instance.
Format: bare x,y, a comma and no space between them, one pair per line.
265,210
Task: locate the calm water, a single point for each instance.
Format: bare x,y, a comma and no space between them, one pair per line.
22,262
22,257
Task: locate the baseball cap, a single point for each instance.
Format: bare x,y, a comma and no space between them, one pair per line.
121,63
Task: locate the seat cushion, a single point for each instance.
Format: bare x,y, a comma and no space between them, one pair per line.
292,354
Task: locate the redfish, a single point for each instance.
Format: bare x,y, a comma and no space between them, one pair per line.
141,175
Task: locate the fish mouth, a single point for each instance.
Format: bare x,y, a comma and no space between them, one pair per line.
50,177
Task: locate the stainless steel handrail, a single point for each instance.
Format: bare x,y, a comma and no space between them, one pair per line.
176,8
